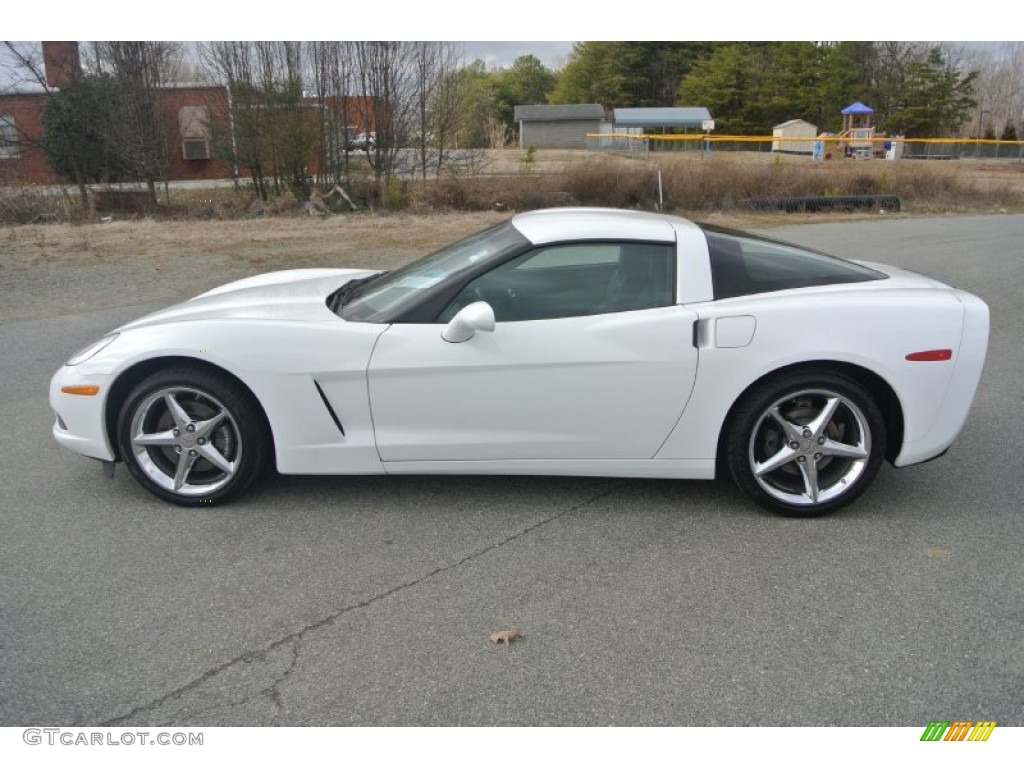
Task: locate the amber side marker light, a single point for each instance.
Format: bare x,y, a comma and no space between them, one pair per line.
931,355
80,389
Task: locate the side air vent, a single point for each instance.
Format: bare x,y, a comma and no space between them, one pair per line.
330,410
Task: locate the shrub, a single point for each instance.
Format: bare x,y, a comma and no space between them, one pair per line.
692,183
25,205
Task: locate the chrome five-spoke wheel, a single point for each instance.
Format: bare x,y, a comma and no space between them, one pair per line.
806,444
190,436
186,441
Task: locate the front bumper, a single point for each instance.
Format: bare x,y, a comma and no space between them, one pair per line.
79,423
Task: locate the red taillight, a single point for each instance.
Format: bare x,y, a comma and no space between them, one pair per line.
931,355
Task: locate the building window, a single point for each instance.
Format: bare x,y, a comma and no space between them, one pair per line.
194,123
8,138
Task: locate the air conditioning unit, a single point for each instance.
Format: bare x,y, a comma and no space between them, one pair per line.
196,149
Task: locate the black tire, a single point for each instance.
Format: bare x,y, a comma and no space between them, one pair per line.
806,462
191,436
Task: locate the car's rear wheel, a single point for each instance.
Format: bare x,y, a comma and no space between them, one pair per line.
806,443
191,436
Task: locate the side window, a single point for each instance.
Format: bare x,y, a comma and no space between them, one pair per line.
576,255
8,138
574,280
194,124
743,264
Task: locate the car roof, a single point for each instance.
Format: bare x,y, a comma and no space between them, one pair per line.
560,224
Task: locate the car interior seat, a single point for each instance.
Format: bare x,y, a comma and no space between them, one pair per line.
639,281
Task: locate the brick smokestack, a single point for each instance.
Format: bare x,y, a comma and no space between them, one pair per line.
63,64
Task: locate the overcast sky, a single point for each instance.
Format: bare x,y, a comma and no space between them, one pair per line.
503,53
471,20
499,53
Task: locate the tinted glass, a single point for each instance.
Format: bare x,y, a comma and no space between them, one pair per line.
744,264
575,280
386,295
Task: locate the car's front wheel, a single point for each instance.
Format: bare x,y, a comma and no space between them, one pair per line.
191,436
806,443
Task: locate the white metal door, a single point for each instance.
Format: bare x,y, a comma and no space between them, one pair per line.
607,386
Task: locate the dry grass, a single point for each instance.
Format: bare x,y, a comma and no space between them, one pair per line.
26,204
696,182
102,265
693,183
215,236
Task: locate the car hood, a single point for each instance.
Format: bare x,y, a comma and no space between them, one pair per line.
294,294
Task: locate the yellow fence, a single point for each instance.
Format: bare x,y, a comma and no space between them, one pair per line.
938,148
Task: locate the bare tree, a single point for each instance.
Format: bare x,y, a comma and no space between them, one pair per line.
21,67
266,80
425,64
290,121
139,67
999,88
890,71
436,106
332,71
233,63
291,102
449,108
387,84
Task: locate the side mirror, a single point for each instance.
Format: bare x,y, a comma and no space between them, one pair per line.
477,316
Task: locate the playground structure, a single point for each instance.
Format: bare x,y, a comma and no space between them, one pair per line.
857,138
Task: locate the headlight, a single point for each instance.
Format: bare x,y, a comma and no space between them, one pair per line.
86,352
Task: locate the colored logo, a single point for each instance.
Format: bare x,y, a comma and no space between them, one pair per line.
958,730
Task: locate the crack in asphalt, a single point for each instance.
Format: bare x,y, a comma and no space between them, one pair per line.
296,638
271,690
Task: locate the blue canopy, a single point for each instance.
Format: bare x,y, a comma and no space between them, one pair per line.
858,109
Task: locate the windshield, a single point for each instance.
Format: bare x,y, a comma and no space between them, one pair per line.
388,295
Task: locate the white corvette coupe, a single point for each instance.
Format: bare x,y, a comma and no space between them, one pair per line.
562,342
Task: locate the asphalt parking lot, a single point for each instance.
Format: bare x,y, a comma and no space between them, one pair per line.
369,601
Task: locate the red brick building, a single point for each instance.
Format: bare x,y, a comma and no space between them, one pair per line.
191,112
22,160
195,116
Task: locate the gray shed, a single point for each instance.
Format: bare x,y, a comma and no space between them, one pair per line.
557,125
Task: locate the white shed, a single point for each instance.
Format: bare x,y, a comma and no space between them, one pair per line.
795,129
